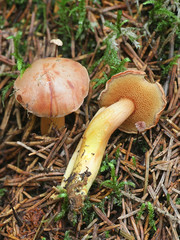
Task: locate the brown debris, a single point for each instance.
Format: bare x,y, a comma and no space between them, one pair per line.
32,166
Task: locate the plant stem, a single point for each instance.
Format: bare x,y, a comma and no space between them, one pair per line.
88,159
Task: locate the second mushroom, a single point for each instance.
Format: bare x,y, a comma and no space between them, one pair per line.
128,99
52,88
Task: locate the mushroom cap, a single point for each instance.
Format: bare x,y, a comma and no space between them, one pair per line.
52,87
149,99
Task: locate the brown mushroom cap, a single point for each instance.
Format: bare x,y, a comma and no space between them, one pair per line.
52,87
149,98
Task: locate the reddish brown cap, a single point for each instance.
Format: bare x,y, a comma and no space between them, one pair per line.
52,87
149,98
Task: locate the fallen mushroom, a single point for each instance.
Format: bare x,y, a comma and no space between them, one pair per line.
52,88
127,99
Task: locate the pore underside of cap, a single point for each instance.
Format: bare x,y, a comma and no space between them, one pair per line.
149,98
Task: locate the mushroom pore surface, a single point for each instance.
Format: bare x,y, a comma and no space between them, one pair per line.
148,98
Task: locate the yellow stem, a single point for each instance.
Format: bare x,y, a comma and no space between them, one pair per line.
71,164
94,141
73,158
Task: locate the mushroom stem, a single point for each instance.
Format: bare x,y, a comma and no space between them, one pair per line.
74,156
46,122
71,164
89,157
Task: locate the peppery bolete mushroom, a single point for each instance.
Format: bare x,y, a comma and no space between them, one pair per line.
127,99
52,88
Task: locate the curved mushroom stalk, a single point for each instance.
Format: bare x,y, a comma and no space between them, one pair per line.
71,164
74,156
86,162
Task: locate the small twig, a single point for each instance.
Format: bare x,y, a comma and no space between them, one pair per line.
171,202
31,150
104,218
56,147
129,214
7,114
133,223
146,172
34,177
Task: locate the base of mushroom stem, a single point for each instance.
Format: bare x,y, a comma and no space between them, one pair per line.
76,201
77,190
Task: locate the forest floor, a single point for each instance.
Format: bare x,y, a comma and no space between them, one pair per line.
136,194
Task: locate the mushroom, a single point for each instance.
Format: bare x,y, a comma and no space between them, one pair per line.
127,101
52,88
